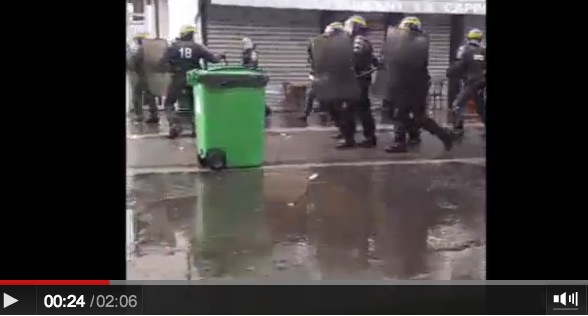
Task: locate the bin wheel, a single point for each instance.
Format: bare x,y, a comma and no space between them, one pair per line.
201,161
216,159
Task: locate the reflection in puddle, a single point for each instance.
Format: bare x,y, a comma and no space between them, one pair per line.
374,222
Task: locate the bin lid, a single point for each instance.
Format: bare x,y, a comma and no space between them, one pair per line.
230,72
220,70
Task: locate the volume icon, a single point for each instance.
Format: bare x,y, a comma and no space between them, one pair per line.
564,299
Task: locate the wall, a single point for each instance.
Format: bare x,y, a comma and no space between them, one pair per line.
145,21
182,12
164,19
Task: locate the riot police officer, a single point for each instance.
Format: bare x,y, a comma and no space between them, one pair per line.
250,60
141,92
406,57
334,28
364,60
470,66
182,56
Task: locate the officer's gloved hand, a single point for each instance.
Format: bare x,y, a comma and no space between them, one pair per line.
223,57
380,62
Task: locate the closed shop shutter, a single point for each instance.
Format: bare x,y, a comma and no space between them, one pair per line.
376,35
438,27
282,38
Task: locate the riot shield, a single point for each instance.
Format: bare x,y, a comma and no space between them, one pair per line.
381,82
378,88
405,59
335,77
157,78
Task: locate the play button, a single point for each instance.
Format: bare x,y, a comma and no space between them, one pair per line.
9,300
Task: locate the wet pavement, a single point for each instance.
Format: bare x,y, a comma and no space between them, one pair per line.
312,213
419,221
296,147
287,121
289,141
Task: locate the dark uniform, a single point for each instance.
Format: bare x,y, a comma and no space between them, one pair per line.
364,60
182,56
311,95
413,129
408,84
330,107
250,60
469,66
141,94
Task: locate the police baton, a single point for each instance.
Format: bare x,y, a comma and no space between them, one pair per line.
366,73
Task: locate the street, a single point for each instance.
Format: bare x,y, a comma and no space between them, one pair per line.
311,213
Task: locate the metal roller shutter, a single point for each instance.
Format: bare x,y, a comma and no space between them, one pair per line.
282,38
376,36
439,29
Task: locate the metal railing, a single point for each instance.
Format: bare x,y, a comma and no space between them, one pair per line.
437,90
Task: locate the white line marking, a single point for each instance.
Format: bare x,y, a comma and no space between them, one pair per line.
194,169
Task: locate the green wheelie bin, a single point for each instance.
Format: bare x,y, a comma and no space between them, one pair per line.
229,109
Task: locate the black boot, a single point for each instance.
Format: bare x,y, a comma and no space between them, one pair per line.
414,141
414,132
193,132
447,139
138,117
137,110
303,118
414,138
153,119
444,135
346,144
457,132
337,136
370,142
174,131
399,146
458,129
